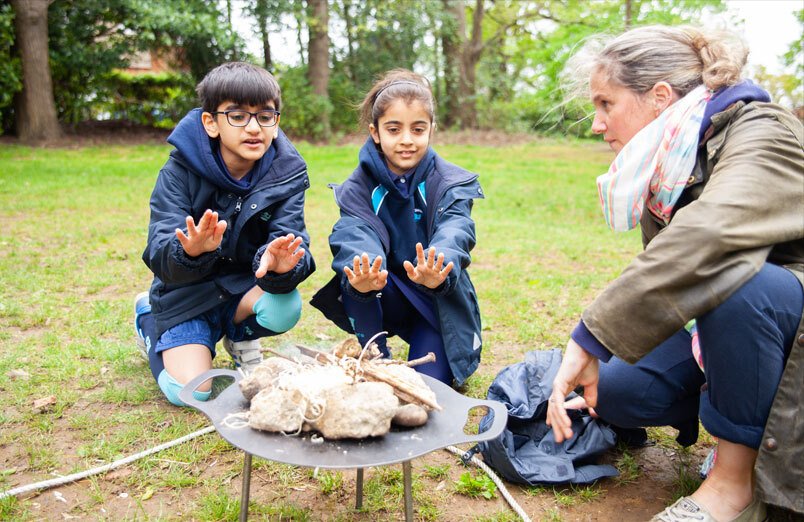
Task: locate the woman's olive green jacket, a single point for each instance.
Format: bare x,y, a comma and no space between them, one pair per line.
743,207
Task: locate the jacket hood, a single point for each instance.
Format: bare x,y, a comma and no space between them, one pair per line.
746,91
199,153
373,163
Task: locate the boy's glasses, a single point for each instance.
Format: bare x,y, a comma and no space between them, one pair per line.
238,118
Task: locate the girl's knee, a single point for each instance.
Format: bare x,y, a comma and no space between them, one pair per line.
278,312
171,388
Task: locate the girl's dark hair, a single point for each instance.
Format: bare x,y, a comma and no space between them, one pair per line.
396,84
238,82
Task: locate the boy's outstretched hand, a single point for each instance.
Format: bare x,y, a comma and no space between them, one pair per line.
281,255
365,277
428,272
204,237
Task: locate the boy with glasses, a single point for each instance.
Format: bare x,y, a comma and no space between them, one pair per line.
227,242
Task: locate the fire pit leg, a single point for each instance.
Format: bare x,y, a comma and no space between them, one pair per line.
244,494
359,487
408,482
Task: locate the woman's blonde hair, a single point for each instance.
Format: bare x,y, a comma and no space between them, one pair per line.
684,57
396,84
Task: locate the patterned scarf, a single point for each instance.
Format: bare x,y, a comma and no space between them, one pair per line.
653,167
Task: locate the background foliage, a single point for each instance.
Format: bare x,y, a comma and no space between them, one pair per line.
518,56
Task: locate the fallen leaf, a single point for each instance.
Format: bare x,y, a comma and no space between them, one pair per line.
44,404
148,494
18,374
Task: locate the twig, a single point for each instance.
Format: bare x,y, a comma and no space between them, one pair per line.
430,357
283,356
379,374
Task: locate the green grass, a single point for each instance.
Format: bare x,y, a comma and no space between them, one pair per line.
74,225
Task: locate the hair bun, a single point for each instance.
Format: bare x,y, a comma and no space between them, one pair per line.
699,43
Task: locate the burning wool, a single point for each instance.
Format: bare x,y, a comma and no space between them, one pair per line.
349,393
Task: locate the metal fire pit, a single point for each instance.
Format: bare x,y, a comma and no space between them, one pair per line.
443,428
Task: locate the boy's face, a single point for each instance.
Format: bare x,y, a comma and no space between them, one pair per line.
241,146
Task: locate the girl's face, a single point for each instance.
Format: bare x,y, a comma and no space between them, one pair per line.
620,113
403,133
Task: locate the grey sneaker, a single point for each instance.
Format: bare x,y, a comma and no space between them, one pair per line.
686,509
683,510
141,307
246,355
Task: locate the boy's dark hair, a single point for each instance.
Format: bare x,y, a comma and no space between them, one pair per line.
239,82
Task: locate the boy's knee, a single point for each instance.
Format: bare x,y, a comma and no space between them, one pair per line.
171,388
278,312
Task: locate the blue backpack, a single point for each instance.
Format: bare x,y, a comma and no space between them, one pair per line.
526,452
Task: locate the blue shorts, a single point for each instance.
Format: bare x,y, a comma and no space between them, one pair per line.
209,327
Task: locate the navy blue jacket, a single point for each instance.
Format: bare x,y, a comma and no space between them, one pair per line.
449,193
192,181
526,451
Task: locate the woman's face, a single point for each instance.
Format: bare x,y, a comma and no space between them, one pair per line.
619,112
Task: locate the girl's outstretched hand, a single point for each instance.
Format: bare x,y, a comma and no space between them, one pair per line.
281,255
428,272
365,277
204,237
578,367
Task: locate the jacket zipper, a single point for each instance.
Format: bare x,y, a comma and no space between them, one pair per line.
239,203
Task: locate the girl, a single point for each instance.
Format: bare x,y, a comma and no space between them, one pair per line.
713,174
401,246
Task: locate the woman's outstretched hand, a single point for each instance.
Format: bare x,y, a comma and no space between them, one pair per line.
428,272
578,368
366,277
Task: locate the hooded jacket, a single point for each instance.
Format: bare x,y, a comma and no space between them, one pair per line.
192,181
449,192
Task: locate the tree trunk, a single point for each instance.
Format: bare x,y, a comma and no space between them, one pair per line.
318,53
452,41
469,60
298,13
461,57
262,22
36,118
350,45
628,14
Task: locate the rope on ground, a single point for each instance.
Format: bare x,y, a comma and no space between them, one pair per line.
47,484
505,493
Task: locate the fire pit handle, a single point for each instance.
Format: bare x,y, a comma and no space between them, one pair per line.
497,425
186,393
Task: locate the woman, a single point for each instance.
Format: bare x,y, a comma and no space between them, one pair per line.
713,174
